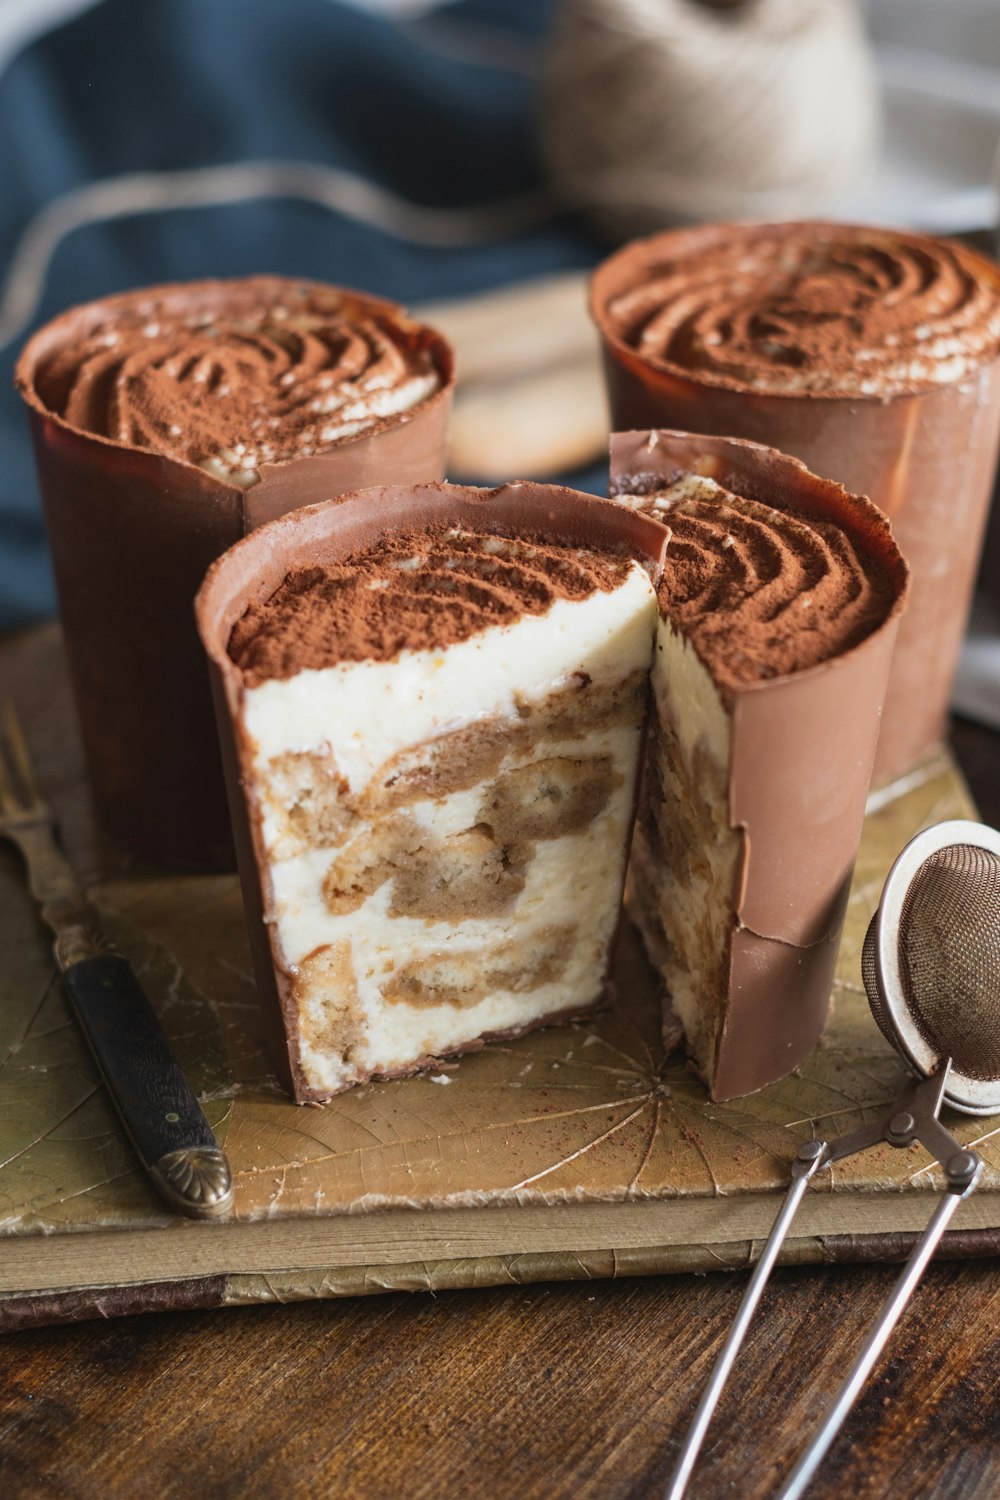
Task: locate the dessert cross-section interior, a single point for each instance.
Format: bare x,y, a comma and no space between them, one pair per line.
437,715
779,603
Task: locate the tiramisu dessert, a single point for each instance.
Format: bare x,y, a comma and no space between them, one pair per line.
169,422
433,699
235,376
778,608
870,354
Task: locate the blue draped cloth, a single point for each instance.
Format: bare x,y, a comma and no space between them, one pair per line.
438,111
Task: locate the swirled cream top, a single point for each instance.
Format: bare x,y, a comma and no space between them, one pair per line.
823,308
760,592
230,375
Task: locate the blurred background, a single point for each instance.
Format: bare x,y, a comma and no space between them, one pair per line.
440,153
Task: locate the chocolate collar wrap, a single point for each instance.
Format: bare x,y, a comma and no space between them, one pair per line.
131,534
251,571
927,459
802,748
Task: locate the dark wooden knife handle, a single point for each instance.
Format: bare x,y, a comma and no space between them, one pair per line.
156,1103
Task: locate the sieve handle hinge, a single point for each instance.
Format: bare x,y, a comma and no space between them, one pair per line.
914,1117
960,1165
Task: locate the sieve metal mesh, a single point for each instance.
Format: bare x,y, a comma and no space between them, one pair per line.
869,973
949,953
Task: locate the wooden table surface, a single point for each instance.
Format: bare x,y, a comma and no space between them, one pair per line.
578,1389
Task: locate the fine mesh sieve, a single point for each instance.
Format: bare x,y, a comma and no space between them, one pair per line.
931,960
931,967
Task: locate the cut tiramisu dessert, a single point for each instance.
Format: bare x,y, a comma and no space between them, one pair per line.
169,422
432,700
872,355
778,609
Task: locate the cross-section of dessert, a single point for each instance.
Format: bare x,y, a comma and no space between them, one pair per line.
432,700
778,608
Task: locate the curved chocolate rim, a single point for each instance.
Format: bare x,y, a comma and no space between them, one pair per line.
335,529
251,571
756,471
59,329
623,271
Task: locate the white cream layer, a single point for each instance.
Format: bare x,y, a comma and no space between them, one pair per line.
371,710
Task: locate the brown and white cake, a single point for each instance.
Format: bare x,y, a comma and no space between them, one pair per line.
433,699
778,608
168,422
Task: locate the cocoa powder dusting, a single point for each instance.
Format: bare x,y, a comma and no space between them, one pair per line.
414,591
759,592
812,307
230,375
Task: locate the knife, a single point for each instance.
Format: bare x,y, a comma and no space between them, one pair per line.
153,1098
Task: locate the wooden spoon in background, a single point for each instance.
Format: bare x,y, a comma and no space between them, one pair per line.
530,399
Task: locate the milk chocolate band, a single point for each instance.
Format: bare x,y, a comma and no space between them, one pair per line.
801,758
878,369
322,535
133,530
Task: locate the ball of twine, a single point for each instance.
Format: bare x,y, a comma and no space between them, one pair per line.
659,111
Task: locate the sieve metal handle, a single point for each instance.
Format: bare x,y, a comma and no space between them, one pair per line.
913,1117
810,1460
811,1156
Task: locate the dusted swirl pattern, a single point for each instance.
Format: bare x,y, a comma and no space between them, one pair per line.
232,375
813,308
761,593
415,591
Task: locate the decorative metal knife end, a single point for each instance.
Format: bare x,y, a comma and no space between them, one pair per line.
197,1181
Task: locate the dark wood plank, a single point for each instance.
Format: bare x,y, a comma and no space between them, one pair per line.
530,1393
